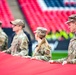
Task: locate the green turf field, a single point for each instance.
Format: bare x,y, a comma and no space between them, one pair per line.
59,54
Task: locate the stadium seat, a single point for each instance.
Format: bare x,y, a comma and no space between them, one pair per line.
53,18
6,14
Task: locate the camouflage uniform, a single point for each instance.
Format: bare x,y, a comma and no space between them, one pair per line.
72,51
3,40
19,46
42,50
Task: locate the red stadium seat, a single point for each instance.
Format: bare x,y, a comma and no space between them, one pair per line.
51,19
6,14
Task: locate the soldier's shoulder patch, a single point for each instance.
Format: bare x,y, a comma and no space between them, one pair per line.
24,43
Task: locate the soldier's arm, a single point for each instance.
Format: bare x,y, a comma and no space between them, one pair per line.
6,46
7,51
23,47
46,56
72,50
6,43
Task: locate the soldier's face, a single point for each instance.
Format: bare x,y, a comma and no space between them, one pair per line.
72,26
15,28
36,36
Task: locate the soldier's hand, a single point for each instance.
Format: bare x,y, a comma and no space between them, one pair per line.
51,61
64,62
3,51
15,55
26,57
33,58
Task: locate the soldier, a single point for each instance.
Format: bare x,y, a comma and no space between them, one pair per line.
19,45
72,45
3,39
42,50
71,50
29,45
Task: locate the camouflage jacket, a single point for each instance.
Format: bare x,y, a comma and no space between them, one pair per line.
19,45
72,51
43,51
3,40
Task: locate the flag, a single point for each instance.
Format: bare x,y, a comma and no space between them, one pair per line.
57,4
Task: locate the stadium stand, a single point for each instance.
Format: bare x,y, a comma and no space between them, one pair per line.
51,14
5,14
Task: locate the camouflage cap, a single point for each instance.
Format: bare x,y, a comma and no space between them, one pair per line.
72,18
18,22
41,31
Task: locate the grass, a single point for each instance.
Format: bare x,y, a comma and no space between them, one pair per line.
59,54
